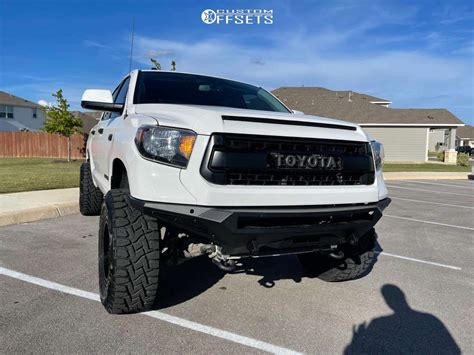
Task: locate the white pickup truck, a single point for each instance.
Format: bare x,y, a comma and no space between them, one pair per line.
195,165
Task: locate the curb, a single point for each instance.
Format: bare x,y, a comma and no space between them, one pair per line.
39,213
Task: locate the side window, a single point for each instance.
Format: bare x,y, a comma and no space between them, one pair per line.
6,111
122,94
119,96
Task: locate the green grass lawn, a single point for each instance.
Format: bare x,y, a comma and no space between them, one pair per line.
388,168
27,174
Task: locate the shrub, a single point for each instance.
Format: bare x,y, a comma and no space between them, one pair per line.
463,159
440,155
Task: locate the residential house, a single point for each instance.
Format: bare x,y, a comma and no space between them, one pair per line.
405,133
465,136
89,119
18,114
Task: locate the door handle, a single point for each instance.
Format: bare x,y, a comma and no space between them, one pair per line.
100,130
93,132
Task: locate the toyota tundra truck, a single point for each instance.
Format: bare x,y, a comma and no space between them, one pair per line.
182,165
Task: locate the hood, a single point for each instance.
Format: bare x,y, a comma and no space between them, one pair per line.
205,120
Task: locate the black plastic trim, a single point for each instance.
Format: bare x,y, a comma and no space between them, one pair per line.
247,231
288,122
102,106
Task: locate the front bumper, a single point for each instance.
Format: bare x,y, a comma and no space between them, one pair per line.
248,231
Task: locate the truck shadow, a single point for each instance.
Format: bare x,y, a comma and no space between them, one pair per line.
181,283
278,268
272,269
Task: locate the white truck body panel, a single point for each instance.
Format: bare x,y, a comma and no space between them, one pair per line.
152,181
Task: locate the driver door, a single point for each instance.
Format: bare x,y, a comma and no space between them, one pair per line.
102,140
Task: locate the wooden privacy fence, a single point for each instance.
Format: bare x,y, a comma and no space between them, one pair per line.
40,144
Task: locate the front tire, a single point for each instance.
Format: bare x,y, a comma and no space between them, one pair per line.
129,256
358,261
90,197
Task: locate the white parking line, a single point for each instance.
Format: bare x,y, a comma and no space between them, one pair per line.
431,203
463,183
430,222
432,191
438,184
253,343
419,261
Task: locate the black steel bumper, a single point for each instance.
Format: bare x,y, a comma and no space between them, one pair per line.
269,230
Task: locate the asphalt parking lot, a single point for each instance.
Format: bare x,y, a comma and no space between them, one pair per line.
418,298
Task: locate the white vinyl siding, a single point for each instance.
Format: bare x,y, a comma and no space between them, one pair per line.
15,118
436,137
402,144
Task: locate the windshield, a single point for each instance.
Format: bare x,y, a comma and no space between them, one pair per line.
189,89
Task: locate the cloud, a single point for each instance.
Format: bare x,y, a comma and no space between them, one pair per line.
409,54
111,51
404,76
163,53
258,61
95,44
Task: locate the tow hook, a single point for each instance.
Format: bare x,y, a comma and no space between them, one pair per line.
221,261
338,255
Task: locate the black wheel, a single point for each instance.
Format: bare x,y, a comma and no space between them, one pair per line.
90,197
129,256
357,263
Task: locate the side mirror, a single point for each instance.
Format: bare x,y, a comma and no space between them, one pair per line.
297,112
100,100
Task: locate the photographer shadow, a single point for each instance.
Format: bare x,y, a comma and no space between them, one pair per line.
405,331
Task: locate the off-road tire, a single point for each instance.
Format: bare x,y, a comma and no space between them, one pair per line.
90,197
358,262
129,256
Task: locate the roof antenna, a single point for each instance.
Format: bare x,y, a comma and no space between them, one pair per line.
131,46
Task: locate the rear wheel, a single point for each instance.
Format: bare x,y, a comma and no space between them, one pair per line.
90,197
129,256
357,263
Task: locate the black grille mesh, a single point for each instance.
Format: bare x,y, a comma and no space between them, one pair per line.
278,178
273,176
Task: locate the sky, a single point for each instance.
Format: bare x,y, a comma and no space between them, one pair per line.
417,54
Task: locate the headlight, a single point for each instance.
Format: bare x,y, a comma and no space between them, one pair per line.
170,146
379,154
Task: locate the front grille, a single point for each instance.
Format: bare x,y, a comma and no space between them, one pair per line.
233,159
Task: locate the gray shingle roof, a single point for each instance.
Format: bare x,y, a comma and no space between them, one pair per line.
359,109
465,132
89,119
12,100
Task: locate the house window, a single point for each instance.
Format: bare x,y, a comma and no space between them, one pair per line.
35,113
6,111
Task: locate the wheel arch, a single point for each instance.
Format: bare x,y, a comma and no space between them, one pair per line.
119,178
